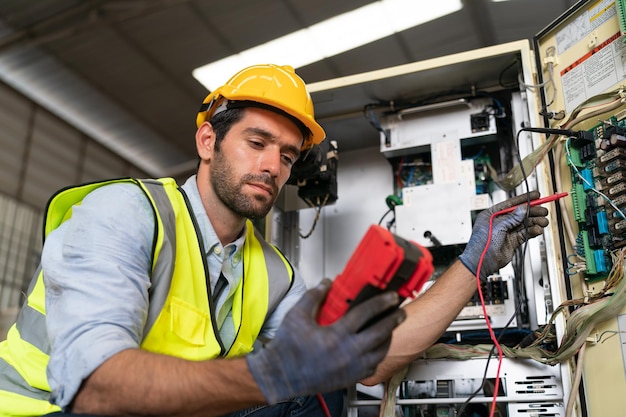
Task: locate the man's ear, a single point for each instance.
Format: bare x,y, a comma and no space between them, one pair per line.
205,141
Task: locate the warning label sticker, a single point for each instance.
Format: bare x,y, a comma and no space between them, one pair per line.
594,72
601,65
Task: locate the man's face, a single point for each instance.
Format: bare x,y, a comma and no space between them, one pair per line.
253,162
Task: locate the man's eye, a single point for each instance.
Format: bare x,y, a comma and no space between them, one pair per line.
288,159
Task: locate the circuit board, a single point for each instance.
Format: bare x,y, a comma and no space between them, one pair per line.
598,170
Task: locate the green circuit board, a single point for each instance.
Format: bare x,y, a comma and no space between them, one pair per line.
598,169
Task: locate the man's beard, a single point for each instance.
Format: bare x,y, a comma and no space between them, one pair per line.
229,191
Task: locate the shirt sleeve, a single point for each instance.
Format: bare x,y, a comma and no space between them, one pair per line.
291,298
96,273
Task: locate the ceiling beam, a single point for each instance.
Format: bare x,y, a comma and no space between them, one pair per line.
481,20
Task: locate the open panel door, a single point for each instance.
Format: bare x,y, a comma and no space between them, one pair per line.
582,62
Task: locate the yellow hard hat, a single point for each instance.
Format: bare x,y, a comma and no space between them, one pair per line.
272,85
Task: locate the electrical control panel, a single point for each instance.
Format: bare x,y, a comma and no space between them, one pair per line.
443,156
580,63
438,153
598,175
448,157
406,131
455,132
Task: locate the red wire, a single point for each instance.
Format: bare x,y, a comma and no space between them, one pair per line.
491,333
482,303
323,405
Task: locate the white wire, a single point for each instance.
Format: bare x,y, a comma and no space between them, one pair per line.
571,400
550,52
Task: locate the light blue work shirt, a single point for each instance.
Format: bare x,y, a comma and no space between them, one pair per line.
97,275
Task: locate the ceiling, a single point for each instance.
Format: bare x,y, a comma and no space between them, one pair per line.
120,70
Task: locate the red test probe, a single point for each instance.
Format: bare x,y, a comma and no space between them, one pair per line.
536,202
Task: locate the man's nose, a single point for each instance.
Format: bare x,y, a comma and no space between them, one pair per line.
270,162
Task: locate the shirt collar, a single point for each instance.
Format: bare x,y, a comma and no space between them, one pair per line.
209,237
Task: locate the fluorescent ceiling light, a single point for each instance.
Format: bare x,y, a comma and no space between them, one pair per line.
330,37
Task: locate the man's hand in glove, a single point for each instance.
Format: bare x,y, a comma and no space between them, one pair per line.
508,232
306,358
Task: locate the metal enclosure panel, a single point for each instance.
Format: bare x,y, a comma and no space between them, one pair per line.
364,180
443,210
443,207
483,66
585,47
527,386
450,121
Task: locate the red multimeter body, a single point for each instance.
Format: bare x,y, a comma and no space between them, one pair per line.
381,262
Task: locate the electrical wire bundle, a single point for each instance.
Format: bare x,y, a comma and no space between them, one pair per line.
587,314
590,109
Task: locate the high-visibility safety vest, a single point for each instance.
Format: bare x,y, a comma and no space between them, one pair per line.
180,319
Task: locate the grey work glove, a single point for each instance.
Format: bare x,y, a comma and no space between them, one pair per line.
305,358
509,231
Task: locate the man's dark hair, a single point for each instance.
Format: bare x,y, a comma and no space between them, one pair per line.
223,121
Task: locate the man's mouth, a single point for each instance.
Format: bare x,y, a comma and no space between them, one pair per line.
264,187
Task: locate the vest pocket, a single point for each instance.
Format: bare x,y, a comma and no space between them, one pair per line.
188,322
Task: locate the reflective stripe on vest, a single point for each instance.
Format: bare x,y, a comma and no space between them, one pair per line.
185,325
24,389
24,355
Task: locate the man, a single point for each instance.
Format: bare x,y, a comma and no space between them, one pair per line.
154,299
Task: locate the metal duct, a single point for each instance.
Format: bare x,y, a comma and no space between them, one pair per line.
48,83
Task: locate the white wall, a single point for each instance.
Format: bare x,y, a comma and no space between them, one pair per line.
364,180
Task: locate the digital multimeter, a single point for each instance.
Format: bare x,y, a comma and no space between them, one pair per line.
381,262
